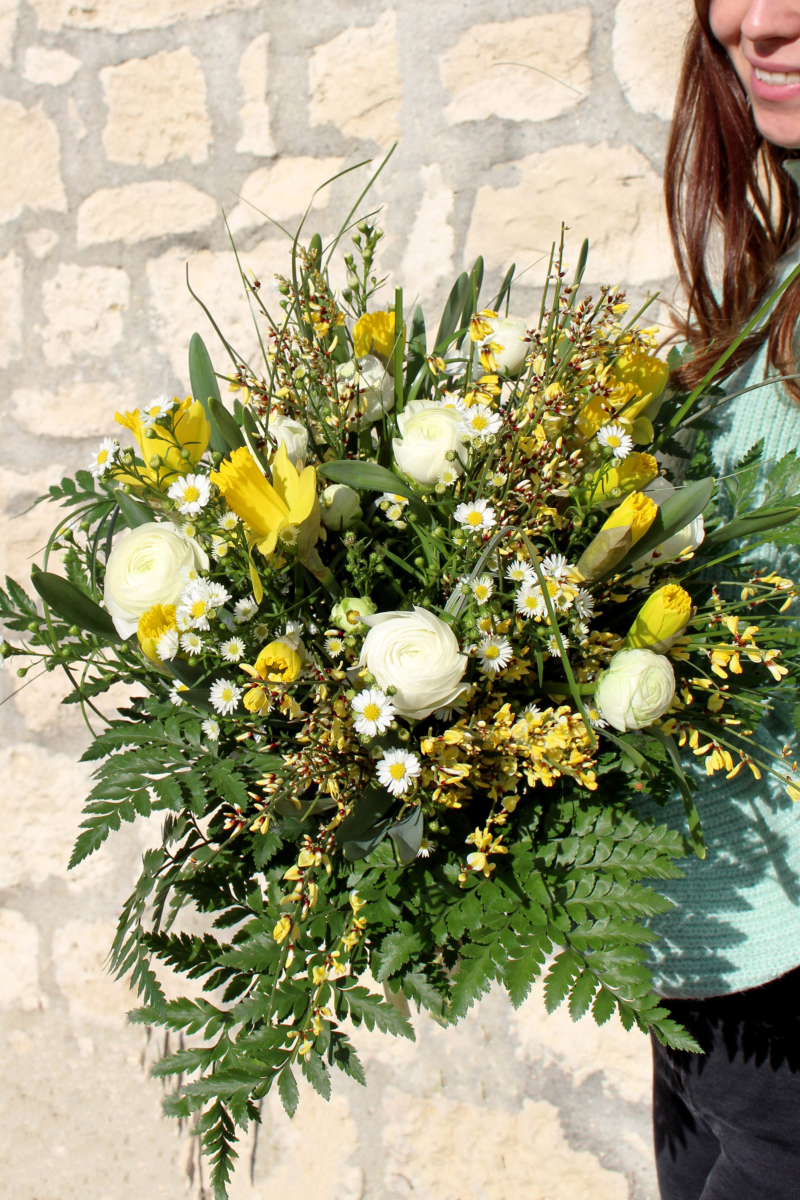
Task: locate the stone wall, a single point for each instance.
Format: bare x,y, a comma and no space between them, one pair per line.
127,129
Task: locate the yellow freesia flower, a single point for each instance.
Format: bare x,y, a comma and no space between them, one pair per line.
153,624
192,432
661,619
287,508
637,513
374,334
627,475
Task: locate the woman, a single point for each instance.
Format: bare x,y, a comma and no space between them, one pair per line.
727,1124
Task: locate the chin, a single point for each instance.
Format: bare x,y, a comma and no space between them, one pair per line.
780,128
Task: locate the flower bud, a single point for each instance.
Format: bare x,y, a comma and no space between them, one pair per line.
348,612
637,688
661,619
628,523
339,507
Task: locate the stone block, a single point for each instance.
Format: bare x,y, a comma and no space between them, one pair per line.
283,190
610,195
530,69
113,17
8,27
355,83
214,276
156,109
84,307
428,257
10,308
80,952
53,67
139,211
647,52
30,153
19,961
254,114
78,410
26,528
41,242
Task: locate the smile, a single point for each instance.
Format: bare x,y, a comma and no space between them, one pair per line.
777,78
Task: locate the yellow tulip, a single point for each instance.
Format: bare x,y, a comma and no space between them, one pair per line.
628,475
287,508
637,513
374,334
628,523
644,371
192,432
279,663
153,624
661,620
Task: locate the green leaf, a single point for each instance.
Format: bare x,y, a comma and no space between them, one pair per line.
363,1005
407,835
690,808
755,523
205,386
366,476
135,514
581,993
505,288
316,1073
452,311
604,1005
558,980
396,949
673,515
227,425
287,1090
73,605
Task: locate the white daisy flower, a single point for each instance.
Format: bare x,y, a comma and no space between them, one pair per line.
584,603
397,770
395,513
374,710
498,479
293,627
479,421
189,530
448,475
615,439
167,645
553,646
494,653
530,713
334,646
233,650
555,566
452,400
210,728
228,522
520,572
191,493
182,621
393,498
189,574
192,643
261,632
476,515
224,695
528,601
482,588
162,406
580,630
219,546
424,849
174,695
596,719
104,456
195,604
244,610
218,594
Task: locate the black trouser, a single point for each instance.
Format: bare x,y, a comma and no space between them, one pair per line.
727,1123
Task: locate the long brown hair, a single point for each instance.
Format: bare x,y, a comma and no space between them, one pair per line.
721,172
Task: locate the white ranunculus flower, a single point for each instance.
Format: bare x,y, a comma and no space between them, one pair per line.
375,388
637,687
417,653
508,332
291,434
145,568
688,538
429,432
340,507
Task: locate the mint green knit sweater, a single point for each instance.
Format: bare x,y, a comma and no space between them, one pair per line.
737,920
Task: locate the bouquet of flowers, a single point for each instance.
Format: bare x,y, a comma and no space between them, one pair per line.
419,619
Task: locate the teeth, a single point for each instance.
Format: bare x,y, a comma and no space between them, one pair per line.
777,78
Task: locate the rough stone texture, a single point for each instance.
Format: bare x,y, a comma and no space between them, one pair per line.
156,109
531,69
647,44
140,211
127,127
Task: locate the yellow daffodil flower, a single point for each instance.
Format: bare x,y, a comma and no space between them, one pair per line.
374,334
627,475
192,432
287,508
644,371
629,522
153,624
637,513
661,619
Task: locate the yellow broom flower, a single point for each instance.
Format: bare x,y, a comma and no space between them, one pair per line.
192,432
287,508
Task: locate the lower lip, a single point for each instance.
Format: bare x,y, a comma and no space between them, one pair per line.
771,91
